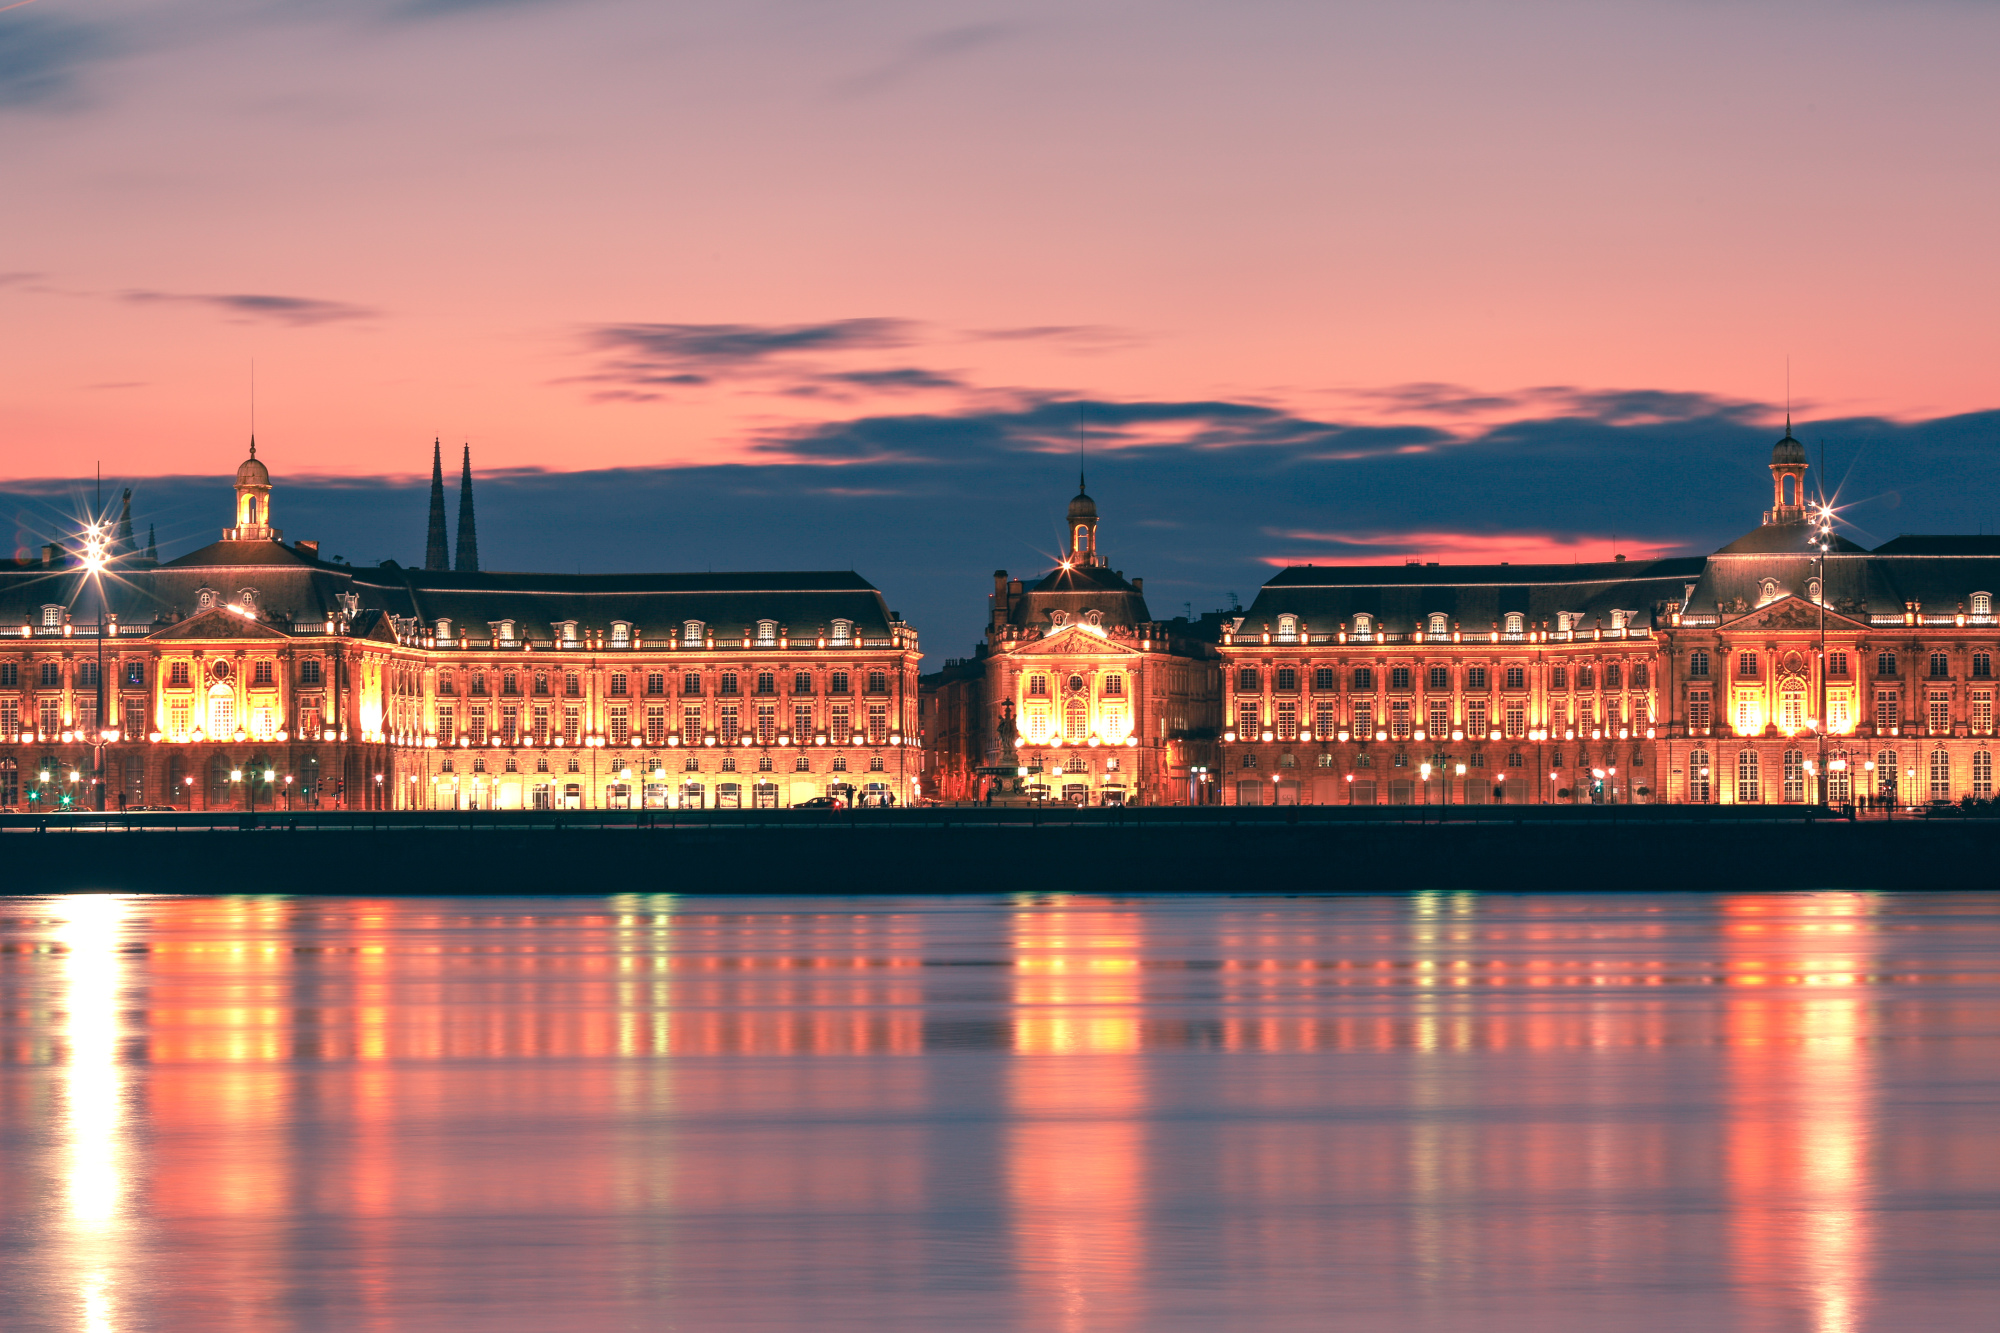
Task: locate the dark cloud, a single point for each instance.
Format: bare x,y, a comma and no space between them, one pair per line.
681,354
902,377
297,310
41,55
1197,497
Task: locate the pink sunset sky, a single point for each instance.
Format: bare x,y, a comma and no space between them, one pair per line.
609,234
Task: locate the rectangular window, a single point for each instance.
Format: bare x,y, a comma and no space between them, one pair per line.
1364,678
1246,679
1795,776
1288,720
1246,721
729,684
573,685
1475,678
656,682
10,676
1836,663
802,682
691,685
1940,713
51,718
478,727
1399,678
727,728
10,719
1516,678
802,723
447,725
1697,664
621,725
836,682
260,672
1558,677
878,724
86,716
510,724
1324,725
1439,720
1940,776
843,729
1586,715
1749,780
177,673
1982,666
1982,712
1887,710
1323,678
1364,718
656,724
1477,723
878,682
767,682
1288,678
1558,715
1699,717
619,681
1517,720
541,716
690,726
1839,715
1982,774
767,724
177,718
1399,715
1114,685
572,725
1746,665
1746,715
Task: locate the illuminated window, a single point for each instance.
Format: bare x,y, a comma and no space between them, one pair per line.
691,633
1439,627
1517,721
1324,678
1619,618
1939,716
1795,776
1399,719
1982,604
1515,623
1749,782
1324,721
1982,712
1887,710
767,632
656,725
1699,718
1288,629
1887,777
1791,711
1839,778
621,633
1516,678
1982,774
1399,678
1699,790
843,632
1940,788
1288,720
1364,626
1475,678
1246,721
728,728
1746,664
1439,722
1476,723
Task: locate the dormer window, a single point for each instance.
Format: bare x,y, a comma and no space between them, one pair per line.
203,600
621,633
52,614
843,631
1516,623
1364,625
566,633
1618,618
691,633
1059,618
1565,621
1438,627
1767,590
1288,629
502,630
1982,604
247,599
443,628
1093,617
767,632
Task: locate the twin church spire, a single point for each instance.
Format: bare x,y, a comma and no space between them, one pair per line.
436,546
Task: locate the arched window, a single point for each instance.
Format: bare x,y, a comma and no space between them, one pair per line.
767,632
203,600
1982,774
1619,619
1516,623
247,599
1812,589
1288,629
1839,778
1438,627
1768,589
221,710
1564,621
1887,778
621,632
1940,776
443,628
843,631
1749,781
1076,721
1795,775
691,633
1982,604
1364,625
1082,544
1700,788
566,633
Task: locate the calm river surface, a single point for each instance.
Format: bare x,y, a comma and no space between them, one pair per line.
1433,1111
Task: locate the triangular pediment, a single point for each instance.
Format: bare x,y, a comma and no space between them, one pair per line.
218,622
1073,640
1791,612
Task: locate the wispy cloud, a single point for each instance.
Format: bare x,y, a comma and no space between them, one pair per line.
41,55
642,361
922,54
1459,547
295,310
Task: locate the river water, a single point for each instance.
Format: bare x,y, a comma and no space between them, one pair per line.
1064,1112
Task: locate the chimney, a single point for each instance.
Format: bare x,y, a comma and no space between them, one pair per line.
1139,586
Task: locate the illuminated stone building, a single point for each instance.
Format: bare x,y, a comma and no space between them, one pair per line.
1077,693
1746,676
397,688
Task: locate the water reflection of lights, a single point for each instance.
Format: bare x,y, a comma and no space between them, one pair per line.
93,1112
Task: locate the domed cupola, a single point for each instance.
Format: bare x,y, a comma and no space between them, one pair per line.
1788,480
253,502
1082,529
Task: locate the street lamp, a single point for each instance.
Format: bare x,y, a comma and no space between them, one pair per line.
96,553
1822,539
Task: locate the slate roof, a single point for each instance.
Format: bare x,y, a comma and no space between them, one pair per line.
1401,597
1075,591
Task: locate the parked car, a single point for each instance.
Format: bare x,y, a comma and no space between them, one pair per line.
150,809
818,803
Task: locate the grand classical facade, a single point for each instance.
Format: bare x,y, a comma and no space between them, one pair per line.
1077,693
1789,666
254,672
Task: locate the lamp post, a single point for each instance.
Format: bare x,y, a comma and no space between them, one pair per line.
94,556
1822,539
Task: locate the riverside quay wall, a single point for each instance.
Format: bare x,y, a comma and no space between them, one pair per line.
1290,850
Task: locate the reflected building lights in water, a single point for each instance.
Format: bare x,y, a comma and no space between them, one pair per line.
93,1123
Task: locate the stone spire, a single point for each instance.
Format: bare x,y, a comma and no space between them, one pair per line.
468,535
121,541
152,547
437,550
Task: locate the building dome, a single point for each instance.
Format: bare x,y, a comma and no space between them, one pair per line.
253,473
1788,451
1082,508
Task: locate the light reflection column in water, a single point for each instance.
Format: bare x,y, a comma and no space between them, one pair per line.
1076,1151
1442,1148
1802,1116
93,1112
